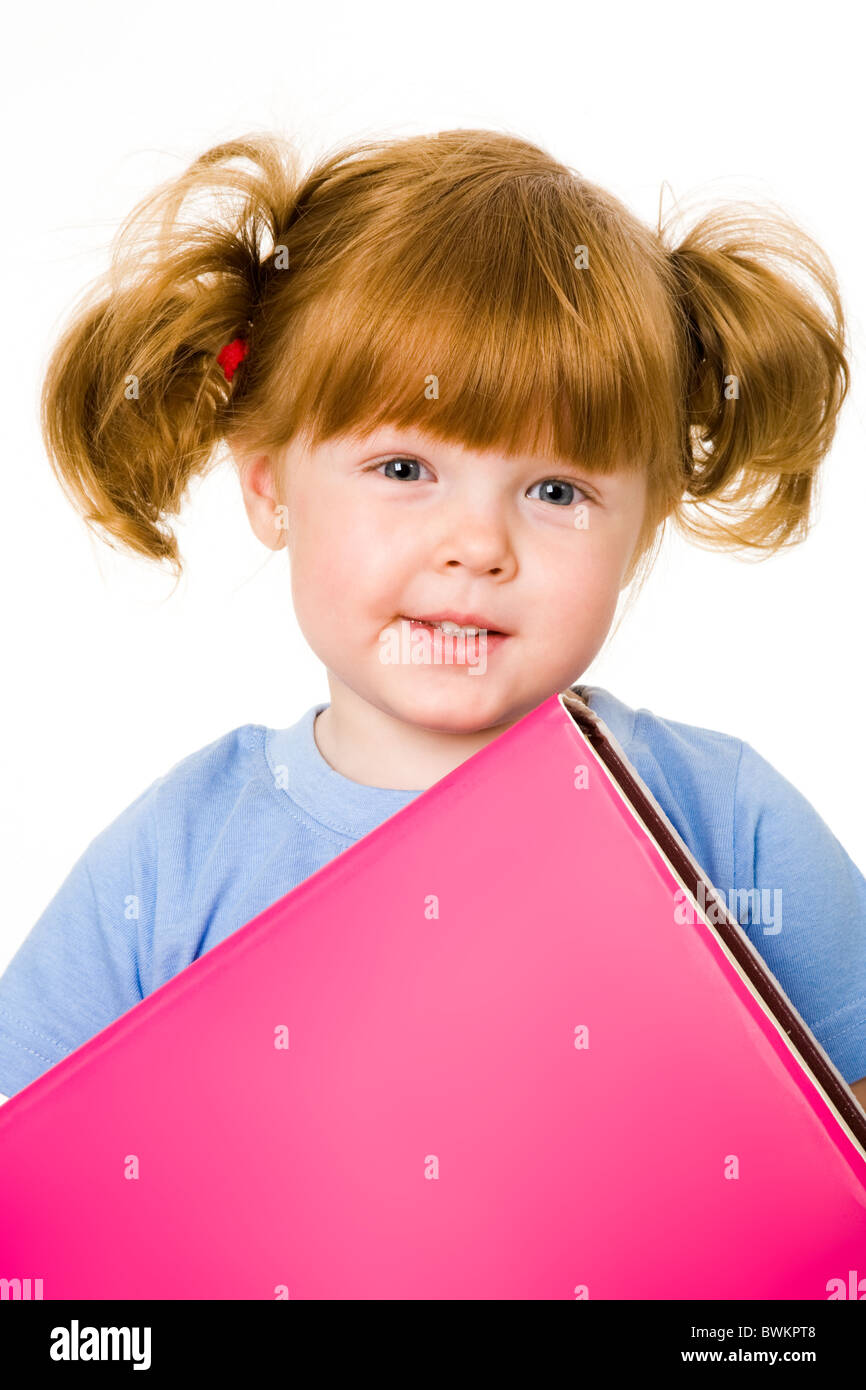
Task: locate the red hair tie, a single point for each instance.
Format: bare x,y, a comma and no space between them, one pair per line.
232,355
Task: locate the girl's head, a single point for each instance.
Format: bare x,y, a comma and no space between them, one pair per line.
475,383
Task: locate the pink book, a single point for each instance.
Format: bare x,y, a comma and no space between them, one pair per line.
510,1045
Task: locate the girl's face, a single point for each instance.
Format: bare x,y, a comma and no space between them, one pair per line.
395,525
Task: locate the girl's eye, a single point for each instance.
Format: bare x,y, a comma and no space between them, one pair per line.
401,462
553,488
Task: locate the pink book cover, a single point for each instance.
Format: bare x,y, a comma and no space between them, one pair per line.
510,1045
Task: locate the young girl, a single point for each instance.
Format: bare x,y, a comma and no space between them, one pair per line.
460,384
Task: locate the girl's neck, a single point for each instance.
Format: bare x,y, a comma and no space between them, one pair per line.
377,749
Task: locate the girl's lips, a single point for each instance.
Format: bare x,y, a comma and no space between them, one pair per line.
491,640
430,626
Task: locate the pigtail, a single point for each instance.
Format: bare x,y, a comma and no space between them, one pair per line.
134,398
765,374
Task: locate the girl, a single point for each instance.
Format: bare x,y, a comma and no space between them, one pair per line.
461,384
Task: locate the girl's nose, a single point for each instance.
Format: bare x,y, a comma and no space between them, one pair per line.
482,546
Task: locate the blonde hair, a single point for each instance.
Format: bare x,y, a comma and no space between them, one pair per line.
554,321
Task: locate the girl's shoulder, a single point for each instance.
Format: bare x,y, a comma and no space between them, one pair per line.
688,756
188,799
728,802
740,816
627,724
696,761
236,753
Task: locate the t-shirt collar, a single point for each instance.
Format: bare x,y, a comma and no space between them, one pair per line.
304,774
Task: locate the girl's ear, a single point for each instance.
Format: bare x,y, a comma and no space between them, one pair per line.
267,516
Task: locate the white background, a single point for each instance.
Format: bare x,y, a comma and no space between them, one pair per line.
110,679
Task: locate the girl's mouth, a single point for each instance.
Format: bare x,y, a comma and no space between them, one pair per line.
455,629
448,632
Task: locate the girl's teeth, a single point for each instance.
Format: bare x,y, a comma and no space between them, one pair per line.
449,627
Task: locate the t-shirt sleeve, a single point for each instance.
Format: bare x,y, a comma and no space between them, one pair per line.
806,908
80,966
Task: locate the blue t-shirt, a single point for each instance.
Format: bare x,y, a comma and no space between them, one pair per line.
233,827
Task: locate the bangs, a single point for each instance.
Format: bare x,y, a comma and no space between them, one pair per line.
527,320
